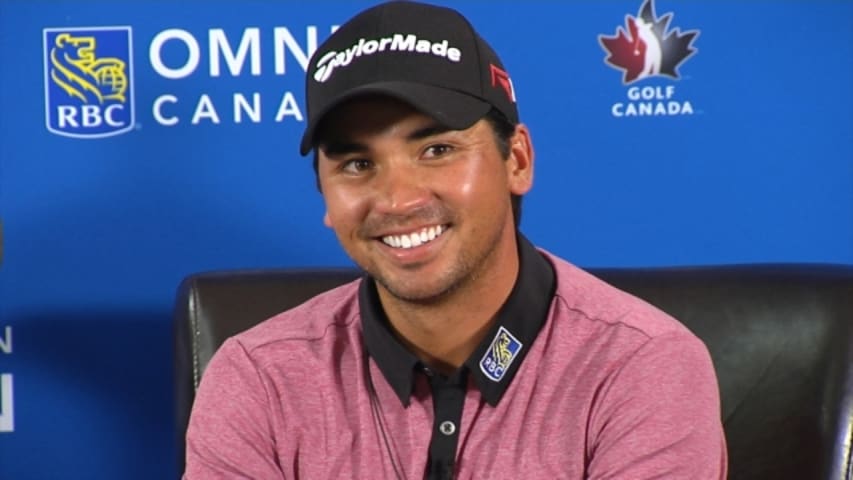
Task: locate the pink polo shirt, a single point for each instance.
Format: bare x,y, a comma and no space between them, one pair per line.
609,388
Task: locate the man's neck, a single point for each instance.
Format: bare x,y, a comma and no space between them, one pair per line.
443,334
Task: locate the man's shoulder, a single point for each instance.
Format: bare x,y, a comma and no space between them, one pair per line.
314,320
596,301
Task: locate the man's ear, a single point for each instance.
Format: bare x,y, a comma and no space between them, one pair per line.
520,162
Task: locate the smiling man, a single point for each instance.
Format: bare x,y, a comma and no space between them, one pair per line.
464,352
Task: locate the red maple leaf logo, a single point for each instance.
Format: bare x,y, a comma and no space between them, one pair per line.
645,48
627,51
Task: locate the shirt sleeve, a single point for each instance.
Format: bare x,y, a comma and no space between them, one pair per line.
230,433
658,415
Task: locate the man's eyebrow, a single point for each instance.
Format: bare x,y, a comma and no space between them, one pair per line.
428,131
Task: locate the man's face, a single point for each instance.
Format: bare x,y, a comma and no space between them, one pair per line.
425,210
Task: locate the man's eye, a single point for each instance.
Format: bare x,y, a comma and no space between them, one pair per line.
357,165
437,150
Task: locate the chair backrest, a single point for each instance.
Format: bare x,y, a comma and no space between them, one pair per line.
780,336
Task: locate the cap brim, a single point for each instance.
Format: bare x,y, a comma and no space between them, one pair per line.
448,107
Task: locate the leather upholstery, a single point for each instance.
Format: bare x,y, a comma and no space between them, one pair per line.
780,336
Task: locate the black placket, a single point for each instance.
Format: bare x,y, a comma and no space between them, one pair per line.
448,399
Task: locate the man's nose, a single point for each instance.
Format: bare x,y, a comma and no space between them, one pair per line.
401,188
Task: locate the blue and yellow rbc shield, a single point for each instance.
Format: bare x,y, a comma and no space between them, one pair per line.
88,81
499,356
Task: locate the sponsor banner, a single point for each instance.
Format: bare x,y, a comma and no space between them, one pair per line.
90,76
168,143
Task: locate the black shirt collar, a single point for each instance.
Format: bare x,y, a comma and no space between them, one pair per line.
494,362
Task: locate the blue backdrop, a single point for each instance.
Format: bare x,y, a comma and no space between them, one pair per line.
174,150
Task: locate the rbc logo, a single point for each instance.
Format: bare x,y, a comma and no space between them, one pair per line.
499,356
88,80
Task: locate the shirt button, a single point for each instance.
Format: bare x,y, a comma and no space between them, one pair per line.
447,427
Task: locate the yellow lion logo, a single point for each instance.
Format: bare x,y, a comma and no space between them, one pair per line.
81,74
501,351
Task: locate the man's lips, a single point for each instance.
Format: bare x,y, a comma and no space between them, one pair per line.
414,238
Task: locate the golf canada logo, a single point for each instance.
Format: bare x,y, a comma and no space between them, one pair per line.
648,49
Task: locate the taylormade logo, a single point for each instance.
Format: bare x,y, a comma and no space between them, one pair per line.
396,43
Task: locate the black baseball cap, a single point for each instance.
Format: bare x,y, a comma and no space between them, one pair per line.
428,56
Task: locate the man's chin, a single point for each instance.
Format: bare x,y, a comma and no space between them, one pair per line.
417,292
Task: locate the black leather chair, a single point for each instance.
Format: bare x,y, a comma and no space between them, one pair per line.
781,338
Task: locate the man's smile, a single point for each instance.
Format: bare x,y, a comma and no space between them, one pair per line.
414,238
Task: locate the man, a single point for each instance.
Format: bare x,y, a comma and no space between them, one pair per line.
464,352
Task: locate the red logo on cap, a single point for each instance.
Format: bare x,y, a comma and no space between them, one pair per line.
501,79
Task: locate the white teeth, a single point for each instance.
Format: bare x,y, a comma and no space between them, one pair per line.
413,239
416,239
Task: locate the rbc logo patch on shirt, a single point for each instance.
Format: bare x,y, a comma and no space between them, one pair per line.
88,81
499,356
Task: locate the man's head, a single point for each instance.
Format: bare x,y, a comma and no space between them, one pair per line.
418,149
